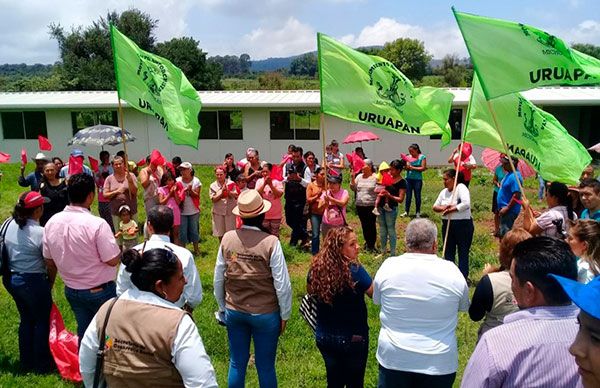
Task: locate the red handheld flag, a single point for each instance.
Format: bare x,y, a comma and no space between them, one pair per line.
23,156
4,158
141,162
75,165
94,164
277,173
44,143
156,158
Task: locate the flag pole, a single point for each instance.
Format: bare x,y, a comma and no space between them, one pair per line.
324,161
454,193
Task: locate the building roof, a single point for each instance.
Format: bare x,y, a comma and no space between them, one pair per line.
266,98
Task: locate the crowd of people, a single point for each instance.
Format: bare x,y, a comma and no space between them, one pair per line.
133,296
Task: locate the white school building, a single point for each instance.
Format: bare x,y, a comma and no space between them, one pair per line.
232,121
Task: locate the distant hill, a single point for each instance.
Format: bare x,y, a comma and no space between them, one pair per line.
22,69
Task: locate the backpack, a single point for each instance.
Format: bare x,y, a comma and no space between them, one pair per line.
4,262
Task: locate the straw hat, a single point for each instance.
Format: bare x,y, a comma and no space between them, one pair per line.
250,204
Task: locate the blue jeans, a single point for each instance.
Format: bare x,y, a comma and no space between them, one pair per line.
31,292
189,230
387,229
315,222
264,330
86,303
506,222
413,185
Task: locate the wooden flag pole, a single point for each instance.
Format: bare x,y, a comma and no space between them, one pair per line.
324,161
126,161
454,193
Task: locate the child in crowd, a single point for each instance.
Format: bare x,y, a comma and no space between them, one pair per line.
383,179
286,158
170,193
128,229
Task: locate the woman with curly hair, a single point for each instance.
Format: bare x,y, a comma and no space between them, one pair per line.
338,281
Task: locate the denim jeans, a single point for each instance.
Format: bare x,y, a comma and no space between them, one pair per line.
189,230
345,359
31,293
413,185
315,222
294,217
389,378
86,303
264,330
387,229
460,237
506,223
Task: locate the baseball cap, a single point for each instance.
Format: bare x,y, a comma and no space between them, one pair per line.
585,296
33,199
77,152
185,165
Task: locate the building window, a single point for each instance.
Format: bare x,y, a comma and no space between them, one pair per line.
223,124
84,119
24,125
455,122
295,125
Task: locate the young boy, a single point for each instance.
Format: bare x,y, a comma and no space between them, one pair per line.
128,229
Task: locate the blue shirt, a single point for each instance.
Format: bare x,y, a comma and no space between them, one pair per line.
24,247
64,172
32,180
585,214
509,186
412,174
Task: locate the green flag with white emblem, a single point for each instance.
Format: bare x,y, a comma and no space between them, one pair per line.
370,90
153,85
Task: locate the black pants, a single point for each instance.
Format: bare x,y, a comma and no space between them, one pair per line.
345,359
460,237
399,379
294,217
368,223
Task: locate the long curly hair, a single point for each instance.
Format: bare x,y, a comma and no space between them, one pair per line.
330,269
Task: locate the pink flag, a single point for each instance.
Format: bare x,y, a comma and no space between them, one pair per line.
4,158
93,164
407,158
44,143
75,165
23,156
277,173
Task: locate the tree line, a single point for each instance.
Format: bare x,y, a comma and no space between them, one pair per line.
86,61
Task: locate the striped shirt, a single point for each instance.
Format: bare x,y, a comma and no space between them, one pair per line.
531,349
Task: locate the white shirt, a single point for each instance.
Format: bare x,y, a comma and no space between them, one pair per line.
305,179
420,297
188,203
463,198
281,279
192,291
188,353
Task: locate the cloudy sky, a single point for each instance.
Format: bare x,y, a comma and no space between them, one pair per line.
277,28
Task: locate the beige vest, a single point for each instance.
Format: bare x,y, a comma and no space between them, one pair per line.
139,340
248,280
504,301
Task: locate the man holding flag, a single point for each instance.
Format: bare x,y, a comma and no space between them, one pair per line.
34,178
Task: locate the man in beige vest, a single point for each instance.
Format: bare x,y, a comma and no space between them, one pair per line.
252,287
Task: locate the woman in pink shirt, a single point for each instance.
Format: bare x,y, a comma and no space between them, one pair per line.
169,194
271,190
335,200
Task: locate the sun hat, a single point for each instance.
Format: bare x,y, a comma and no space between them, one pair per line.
124,207
33,199
41,156
585,296
185,165
251,204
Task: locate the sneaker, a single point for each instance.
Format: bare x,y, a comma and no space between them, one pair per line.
387,208
418,215
375,211
404,214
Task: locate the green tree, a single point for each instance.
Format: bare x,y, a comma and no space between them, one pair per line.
588,49
186,55
230,64
304,65
409,56
245,63
271,81
455,72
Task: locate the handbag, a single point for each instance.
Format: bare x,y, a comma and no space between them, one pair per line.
101,346
308,310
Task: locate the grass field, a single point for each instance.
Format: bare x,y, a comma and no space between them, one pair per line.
299,363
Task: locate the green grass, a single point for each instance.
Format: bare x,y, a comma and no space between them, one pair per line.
299,363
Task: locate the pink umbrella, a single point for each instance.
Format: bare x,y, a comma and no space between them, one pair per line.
595,148
491,160
360,136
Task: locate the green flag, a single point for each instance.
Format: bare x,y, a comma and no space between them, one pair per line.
370,90
530,134
153,85
511,57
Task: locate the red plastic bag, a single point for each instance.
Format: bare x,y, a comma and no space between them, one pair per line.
63,346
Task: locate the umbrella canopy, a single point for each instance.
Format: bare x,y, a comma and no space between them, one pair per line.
595,148
360,136
100,135
491,160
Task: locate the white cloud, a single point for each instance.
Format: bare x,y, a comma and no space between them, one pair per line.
439,39
587,31
291,38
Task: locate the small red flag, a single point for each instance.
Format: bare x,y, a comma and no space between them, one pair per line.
4,157
94,164
23,156
141,162
75,165
277,173
45,144
156,158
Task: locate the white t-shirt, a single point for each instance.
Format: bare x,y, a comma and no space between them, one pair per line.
188,204
420,297
462,202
